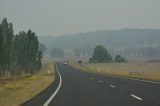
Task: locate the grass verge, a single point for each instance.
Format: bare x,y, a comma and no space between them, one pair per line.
146,71
14,92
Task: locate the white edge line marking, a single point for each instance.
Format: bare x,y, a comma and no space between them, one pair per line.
137,79
134,96
112,86
56,91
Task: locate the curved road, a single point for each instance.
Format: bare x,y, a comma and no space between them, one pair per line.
85,89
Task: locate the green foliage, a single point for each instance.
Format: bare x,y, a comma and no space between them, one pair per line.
6,44
119,59
39,62
100,55
57,52
20,44
1,42
80,62
20,52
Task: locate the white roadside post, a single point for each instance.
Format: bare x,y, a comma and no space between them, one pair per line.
98,70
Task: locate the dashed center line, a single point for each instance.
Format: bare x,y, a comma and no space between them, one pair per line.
137,79
112,86
134,96
100,81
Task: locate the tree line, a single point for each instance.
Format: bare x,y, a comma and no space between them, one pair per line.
101,55
148,51
18,53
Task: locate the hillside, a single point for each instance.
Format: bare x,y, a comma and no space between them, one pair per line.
120,40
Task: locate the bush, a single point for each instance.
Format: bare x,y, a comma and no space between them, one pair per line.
80,61
119,59
100,55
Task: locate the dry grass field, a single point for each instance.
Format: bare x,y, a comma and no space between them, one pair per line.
142,70
14,92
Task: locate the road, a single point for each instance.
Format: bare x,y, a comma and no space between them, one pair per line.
86,89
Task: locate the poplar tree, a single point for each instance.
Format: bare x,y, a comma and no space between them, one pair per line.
1,42
20,52
7,34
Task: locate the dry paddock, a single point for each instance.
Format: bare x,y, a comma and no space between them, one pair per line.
143,70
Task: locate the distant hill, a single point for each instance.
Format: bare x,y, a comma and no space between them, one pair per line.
109,38
112,39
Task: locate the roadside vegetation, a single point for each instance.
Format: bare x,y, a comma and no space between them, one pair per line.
19,53
14,92
103,63
101,55
141,70
22,74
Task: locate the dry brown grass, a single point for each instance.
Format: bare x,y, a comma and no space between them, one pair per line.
142,70
16,91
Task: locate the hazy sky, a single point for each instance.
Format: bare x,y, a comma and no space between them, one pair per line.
58,17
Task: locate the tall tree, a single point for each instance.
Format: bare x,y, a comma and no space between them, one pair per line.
39,62
27,52
1,42
20,49
7,34
31,52
100,55
20,52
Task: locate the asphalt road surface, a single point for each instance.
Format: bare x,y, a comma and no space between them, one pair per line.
85,89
